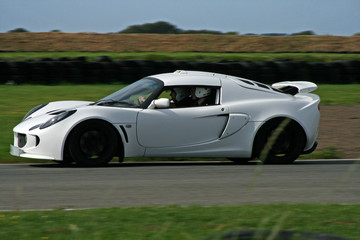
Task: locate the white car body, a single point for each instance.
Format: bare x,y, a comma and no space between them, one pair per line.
226,128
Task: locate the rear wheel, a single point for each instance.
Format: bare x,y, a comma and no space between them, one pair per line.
92,143
279,141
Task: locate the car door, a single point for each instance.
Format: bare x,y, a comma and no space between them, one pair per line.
174,127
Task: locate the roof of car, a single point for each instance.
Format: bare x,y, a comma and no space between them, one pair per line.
196,78
199,78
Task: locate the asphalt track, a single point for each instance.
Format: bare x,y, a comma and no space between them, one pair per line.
51,186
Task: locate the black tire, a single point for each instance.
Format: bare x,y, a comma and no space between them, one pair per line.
279,141
67,160
92,143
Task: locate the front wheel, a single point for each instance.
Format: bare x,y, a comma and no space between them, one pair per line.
279,141
92,143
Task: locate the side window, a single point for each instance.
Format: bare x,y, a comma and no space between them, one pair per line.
205,96
191,96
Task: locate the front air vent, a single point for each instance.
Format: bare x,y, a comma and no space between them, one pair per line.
37,139
55,112
21,140
34,127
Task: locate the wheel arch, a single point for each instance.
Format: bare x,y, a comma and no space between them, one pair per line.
276,119
120,152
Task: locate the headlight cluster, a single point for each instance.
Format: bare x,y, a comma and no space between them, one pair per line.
57,119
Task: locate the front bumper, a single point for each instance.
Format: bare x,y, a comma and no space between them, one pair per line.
16,151
36,143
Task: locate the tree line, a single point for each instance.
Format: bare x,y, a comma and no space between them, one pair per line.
162,27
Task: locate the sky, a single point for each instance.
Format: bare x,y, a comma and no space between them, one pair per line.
324,17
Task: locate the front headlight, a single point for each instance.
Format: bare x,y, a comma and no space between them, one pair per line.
57,119
34,110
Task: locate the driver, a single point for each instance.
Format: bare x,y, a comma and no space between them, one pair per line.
141,99
181,97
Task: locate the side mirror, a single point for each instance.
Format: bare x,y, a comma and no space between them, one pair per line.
160,103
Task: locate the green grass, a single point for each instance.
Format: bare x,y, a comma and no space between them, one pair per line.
184,56
17,100
339,94
175,222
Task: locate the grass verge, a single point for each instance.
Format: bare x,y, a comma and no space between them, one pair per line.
175,222
184,56
330,152
338,94
17,100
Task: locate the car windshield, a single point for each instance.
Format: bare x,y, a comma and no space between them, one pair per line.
138,94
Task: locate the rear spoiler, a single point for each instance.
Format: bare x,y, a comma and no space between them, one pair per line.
295,87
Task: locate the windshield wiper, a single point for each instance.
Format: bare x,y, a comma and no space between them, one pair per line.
109,102
101,101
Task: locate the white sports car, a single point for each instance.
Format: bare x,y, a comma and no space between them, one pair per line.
180,114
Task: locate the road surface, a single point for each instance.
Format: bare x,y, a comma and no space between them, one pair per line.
51,186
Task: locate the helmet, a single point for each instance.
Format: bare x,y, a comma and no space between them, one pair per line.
202,92
181,93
